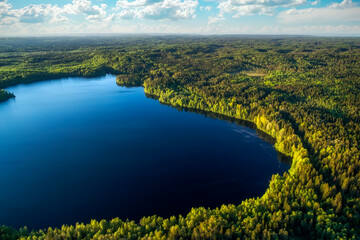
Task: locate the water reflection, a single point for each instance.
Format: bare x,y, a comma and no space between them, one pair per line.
263,135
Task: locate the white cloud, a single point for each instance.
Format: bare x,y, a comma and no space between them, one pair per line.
343,4
242,10
48,13
157,9
39,14
85,7
251,7
5,17
314,3
213,20
4,6
335,13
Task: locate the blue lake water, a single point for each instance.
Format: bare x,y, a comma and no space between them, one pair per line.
78,149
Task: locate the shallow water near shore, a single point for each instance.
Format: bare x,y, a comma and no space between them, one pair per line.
77,149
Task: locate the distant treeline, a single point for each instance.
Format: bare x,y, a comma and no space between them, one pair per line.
304,92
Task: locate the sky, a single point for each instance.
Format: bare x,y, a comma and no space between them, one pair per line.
73,17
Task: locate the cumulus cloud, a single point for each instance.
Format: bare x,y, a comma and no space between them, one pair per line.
339,12
4,6
314,3
39,14
251,7
157,9
343,4
84,7
5,16
48,13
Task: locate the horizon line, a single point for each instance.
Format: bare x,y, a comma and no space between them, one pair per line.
175,34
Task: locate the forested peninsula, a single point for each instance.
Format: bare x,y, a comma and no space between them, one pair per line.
302,91
5,95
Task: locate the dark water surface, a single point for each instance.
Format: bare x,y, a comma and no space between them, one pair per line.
79,149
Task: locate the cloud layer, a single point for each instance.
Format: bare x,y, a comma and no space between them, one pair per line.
48,13
342,12
182,16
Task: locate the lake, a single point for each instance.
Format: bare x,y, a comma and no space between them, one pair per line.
77,149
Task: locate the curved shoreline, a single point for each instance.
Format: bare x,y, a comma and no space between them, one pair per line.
217,115
286,158
299,157
254,121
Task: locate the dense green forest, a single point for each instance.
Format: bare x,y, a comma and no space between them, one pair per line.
5,95
303,91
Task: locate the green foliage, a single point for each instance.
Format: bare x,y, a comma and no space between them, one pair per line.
5,95
304,92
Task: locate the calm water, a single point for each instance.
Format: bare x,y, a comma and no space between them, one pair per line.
79,149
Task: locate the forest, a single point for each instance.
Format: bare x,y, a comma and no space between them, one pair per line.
302,91
5,95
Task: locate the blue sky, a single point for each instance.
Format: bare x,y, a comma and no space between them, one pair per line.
68,17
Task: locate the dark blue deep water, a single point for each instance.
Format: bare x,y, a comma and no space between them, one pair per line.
77,149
